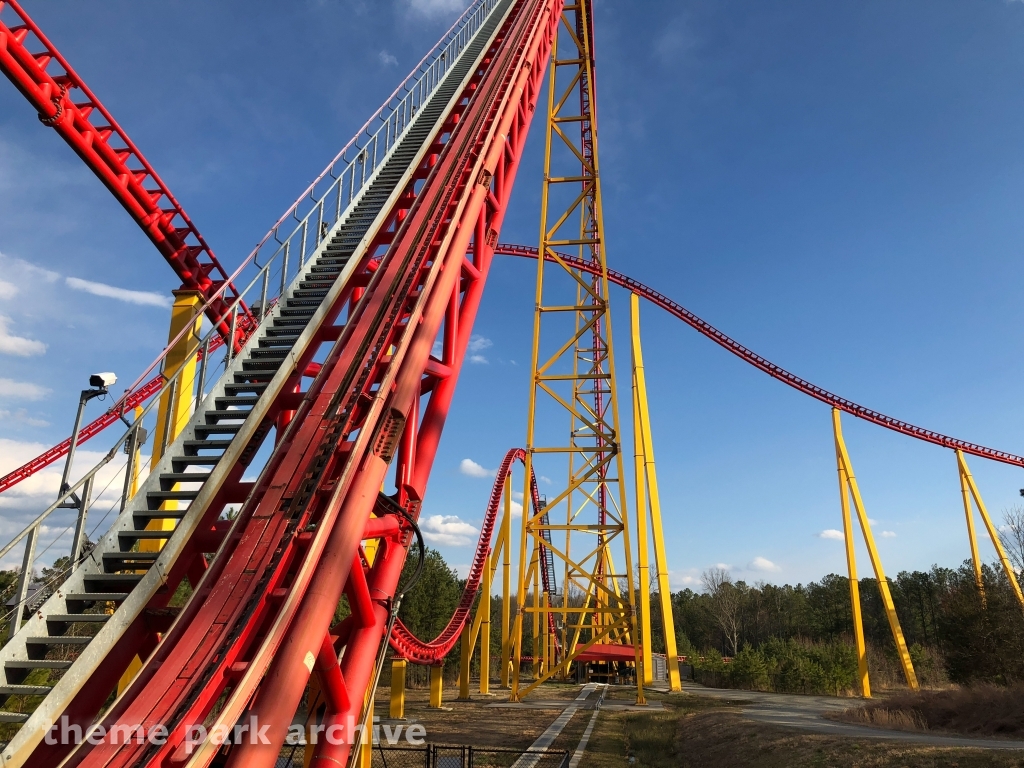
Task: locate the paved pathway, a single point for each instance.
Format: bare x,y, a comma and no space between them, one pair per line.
805,712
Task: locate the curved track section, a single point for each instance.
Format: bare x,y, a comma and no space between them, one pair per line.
66,104
407,645
767,366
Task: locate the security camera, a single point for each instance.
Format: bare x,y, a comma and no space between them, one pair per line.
102,380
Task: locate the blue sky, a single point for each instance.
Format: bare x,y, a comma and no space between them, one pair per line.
837,186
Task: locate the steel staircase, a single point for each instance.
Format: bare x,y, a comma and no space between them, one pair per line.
67,637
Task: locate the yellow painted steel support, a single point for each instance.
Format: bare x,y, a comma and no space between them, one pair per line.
649,497
173,413
484,611
397,711
966,479
465,660
643,575
965,493
573,374
133,487
436,686
506,592
535,567
848,479
851,566
366,737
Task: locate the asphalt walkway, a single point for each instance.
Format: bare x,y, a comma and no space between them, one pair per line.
807,713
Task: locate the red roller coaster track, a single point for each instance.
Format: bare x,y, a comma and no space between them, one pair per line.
260,619
50,85
650,294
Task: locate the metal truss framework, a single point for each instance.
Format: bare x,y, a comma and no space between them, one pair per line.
597,605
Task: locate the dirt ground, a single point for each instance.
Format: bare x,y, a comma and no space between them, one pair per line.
686,731
474,722
700,733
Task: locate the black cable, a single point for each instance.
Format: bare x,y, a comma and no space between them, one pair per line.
418,573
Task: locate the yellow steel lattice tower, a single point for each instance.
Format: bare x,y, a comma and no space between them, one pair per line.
583,525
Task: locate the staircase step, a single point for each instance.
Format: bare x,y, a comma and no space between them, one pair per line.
130,537
199,445
94,597
24,690
58,640
112,582
213,415
76,618
138,560
248,400
162,496
184,477
148,515
261,366
253,386
218,429
37,664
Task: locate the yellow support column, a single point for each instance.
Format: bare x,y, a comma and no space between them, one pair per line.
366,740
851,567
466,650
484,610
173,413
436,685
965,493
535,567
652,501
643,575
993,534
397,711
506,567
876,561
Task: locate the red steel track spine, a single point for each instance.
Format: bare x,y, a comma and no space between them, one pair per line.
773,370
114,158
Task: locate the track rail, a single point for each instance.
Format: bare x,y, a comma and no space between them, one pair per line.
50,84
406,644
767,366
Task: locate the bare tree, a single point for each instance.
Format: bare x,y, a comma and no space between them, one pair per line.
726,602
1012,536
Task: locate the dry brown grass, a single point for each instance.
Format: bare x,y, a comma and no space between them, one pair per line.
981,710
694,732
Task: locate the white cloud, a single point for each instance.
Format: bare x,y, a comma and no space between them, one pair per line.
21,415
8,290
517,509
479,343
436,8
723,566
471,468
831,533
144,298
18,345
544,479
478,359
22,390
20,504
387,59
681,579
448,530
888,534
872,521
763,564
